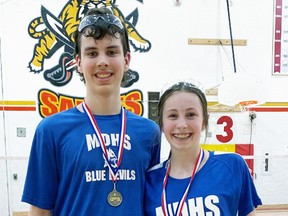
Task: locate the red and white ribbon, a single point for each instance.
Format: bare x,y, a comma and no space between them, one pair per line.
113,171
182,201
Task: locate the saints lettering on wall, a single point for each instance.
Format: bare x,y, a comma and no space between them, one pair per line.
54,33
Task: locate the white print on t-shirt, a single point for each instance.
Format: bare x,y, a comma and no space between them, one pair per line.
112,158
103,175
195,207
109,140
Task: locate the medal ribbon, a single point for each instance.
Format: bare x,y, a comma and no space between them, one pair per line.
113,172
182,201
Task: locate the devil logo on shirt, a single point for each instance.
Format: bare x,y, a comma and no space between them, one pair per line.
112,158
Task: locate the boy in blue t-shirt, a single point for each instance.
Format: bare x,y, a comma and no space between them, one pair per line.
92,159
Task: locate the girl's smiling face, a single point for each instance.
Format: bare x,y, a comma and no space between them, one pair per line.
183,120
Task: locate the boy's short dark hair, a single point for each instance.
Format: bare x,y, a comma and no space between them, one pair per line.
99,30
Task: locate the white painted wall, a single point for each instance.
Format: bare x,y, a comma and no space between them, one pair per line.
168,28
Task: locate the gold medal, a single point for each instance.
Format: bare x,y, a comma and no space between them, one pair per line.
114,198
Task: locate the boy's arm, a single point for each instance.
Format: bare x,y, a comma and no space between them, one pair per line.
35,211
253,213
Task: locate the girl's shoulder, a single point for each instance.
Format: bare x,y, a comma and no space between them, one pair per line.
231,160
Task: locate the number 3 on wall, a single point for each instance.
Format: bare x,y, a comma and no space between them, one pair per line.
227,120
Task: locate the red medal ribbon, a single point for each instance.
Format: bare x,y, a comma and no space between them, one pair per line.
182,201
113,171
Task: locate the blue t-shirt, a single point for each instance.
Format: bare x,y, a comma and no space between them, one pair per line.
67,171
222,187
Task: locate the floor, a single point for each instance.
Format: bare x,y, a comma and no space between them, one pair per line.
258,213
272,213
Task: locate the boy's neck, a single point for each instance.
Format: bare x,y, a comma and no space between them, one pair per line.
104,105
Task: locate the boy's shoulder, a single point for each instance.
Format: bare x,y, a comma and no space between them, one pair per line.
62,116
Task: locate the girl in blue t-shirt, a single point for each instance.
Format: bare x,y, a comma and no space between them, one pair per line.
194,181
